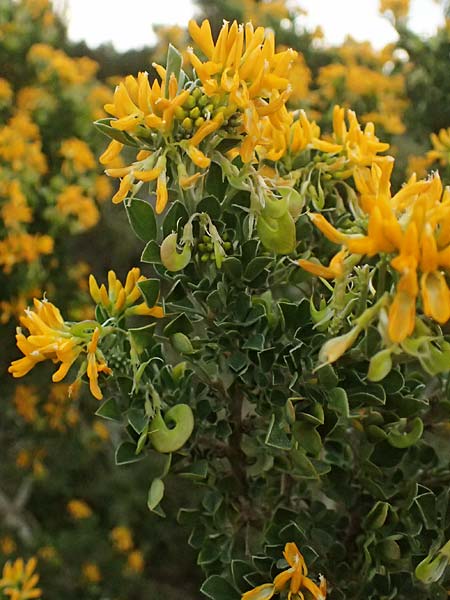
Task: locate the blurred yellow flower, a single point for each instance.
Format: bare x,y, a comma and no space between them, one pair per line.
122,538
19,581
79,509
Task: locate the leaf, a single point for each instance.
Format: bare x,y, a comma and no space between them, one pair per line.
150,290
137,419
103,125
276,437
155,494
173,65
180,324
126,454
142,218
307,437
256,342
211,206
218,588
196,471
142,337
338,400
151,253
256,266
109,410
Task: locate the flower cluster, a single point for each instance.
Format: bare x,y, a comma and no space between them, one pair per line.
18,581
295,579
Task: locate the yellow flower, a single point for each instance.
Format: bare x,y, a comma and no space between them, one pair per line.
441,147
51,338
120,299
122,538
135,562
91,573
399,8
25,401
7,545
19,581
413,229
79,509
73,202
295,576
78,157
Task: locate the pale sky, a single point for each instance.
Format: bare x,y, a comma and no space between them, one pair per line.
128,24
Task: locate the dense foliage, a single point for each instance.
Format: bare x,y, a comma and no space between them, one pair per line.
280,373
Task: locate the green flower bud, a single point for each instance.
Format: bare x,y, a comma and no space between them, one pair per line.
195,113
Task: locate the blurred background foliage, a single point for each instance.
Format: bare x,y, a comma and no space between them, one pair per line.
62,499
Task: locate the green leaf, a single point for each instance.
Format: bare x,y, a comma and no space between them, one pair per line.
155,494
338,401
327,376
150,290
173,65
303,466
377,515
176,212
211,206
238,361
151,253
256,342
126,454
218,588
109,410
103,125
256,266
307,437
141,338
142,218
196,471
137,419
233,268
179,324
276,436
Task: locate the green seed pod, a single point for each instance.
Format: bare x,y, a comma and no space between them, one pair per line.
182,343
170,440
170,257
380,365
295,201
275,208
277,235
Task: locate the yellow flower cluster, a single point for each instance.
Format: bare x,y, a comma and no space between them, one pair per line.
242,93
441,147
294,580
412,229
55,62
121,299
51,338
18,581
123,542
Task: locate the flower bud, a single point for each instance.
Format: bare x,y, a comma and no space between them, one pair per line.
170,257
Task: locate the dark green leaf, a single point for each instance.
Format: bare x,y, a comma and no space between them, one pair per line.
142,218
109,410
218,588
126,453
150,290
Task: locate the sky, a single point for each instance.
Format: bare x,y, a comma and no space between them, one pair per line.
130,26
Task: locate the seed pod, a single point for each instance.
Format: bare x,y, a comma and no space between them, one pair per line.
164,439
170,257
277,235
